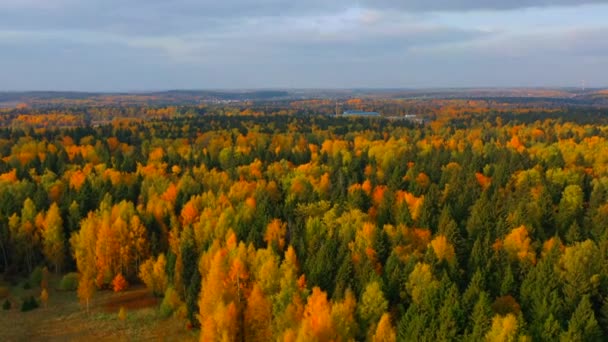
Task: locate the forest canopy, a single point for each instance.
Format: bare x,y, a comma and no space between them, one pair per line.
482,222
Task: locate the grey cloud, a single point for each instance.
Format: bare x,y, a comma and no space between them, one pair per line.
130,45
354,32
179,16
549,44
471,5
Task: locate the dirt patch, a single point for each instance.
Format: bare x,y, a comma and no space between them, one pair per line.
131,300
64,319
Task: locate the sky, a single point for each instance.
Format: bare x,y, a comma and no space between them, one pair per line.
140,45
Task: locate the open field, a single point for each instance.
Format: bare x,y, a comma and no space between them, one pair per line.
64,319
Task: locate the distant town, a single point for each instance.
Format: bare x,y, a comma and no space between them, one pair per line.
359,113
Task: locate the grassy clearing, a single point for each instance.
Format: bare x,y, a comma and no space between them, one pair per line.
64,319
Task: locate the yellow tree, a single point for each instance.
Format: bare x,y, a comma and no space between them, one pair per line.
83,244
372,305
107,250
266,271
420,281
385,332
317,324
343,316
27,233
86,287
504,329
137,242
258,317
53,239
275,234
153,274
17,239
83,248
517,245
288,306
238,275
211,301
44,297
443,249
580,270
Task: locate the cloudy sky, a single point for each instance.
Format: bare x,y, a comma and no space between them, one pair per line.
119,45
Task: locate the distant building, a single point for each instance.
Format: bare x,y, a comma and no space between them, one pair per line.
360,113
407,117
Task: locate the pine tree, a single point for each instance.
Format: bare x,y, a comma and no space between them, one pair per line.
429,212
481,318
540,295
604,315
474,289
508,281
450,316
570,207
582,325
580,268
190,276
74,217
482,219
574,233
415,324
551,330
393,277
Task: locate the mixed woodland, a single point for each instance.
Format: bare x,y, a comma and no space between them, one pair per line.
487,221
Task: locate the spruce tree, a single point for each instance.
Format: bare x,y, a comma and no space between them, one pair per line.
480,319
582,325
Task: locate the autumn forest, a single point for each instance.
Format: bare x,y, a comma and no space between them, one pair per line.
484,220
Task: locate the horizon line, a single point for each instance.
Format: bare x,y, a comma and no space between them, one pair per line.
164,90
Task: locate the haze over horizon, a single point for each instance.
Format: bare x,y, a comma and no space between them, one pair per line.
142,45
